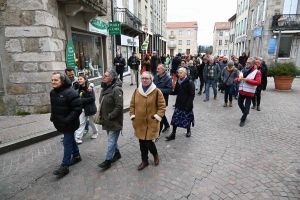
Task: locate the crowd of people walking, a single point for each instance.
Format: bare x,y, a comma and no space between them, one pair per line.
73,106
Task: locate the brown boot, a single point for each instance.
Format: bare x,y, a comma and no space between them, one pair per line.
225,105
143,165
156,159
230,104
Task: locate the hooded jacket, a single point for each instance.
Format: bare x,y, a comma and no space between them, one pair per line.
111,110
65,107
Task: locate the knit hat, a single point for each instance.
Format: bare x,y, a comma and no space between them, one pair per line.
230,63
182,69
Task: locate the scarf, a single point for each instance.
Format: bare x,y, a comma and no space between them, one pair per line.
147,87
180,81
230,68
246,71
105,86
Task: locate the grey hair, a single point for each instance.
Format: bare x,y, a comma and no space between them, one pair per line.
62,77
149,73
112,74
162,66
252,60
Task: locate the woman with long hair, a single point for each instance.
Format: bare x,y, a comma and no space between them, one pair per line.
89,109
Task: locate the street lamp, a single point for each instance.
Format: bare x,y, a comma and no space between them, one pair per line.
281,22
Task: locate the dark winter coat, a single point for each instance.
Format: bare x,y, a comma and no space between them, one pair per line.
243,60
264,78
111,110
200,69
223,65
87,100
164,83
193,72
175,64
134,59
65,108
154,63
185,95
122,63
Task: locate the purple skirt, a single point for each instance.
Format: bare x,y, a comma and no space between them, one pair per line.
182,118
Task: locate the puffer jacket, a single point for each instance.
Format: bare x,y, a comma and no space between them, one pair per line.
65,107
111,110
87,100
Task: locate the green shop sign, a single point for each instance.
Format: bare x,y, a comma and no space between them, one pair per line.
114,28
70,54
98,26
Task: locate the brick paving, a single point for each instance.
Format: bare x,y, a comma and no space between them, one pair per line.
220,161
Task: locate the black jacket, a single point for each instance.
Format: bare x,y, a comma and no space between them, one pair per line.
193,72
65,108
185,95
134,59
87,100
264,78
200,69
121,62
164,83
175,64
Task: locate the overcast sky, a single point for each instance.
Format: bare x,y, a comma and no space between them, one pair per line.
206,13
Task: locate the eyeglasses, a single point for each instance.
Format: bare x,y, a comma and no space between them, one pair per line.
145,79
106,76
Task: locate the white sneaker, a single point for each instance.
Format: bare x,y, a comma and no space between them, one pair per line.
79,141
94,136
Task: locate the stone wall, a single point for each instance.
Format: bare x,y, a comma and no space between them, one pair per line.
32,47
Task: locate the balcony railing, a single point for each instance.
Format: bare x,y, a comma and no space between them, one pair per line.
290,22
93,8
130,24
171,46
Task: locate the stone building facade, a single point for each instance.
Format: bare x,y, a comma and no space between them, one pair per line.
33,39
221,39
231,46
263,30
182,38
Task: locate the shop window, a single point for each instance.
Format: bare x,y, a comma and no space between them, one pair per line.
88,55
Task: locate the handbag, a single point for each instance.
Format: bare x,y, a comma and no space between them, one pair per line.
97,115
222,85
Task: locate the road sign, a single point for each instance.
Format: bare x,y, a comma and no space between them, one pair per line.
114,28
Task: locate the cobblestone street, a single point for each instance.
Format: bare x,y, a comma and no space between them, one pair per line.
219,161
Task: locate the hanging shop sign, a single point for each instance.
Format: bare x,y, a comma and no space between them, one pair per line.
114,28
98,26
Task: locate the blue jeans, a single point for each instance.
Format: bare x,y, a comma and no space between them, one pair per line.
87,125
70,147
112,145
214,86
236,93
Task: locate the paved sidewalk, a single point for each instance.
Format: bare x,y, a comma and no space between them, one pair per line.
220,161
18,129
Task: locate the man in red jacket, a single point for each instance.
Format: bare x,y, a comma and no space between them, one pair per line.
249,78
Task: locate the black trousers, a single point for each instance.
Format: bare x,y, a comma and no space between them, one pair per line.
145,147
256,98
244,108
201,83
119,72
163,122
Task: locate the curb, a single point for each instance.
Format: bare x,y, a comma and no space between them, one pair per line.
32,139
